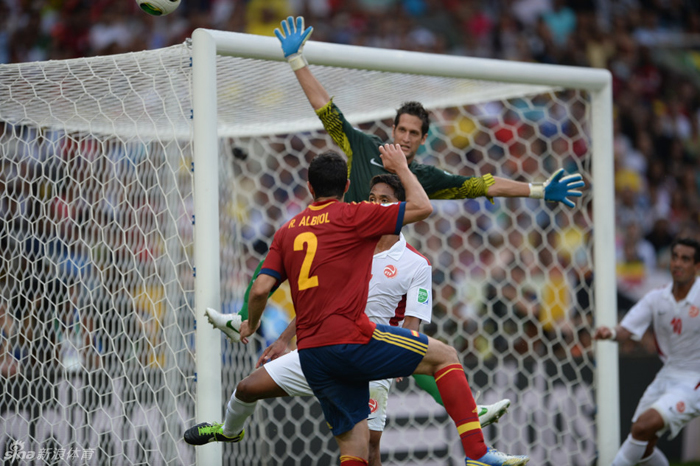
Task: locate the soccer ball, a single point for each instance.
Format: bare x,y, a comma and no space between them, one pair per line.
158,7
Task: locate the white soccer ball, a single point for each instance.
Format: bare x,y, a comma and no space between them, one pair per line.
158,7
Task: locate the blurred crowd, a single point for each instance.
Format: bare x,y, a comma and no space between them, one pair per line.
656,102
657,143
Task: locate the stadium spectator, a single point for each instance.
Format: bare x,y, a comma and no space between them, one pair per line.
561,21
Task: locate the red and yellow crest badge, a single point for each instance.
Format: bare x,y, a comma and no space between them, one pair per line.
373,405
680,406
694,311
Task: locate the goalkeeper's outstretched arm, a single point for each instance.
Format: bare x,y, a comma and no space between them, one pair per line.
292,37
558,188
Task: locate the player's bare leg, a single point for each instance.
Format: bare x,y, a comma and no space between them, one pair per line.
642,440
375,457
258,385
354,445
442,362
646,427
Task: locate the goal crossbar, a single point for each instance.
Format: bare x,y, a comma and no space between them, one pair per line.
402,61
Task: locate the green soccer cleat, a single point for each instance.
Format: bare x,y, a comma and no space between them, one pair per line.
203,433
489,414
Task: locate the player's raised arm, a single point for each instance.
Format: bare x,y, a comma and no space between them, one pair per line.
417,203
292,37
558,188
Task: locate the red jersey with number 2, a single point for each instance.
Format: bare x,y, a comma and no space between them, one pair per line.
326,253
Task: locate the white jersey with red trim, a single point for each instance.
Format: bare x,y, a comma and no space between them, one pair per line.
401,286
676,326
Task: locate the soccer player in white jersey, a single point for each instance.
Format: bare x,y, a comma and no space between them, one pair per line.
673,398
400,292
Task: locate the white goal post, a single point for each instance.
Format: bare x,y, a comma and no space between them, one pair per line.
207,44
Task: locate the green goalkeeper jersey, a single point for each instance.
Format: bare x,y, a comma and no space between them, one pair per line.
362,151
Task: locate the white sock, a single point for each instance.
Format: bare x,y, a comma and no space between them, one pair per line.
657,458
630,453
237,412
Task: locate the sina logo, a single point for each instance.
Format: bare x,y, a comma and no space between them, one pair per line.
16,451
390,271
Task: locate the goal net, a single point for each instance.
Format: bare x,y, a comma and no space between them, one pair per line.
98,274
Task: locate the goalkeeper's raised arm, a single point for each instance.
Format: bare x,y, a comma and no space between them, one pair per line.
293,36
410,131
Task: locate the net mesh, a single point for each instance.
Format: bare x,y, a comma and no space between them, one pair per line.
97,278
96,239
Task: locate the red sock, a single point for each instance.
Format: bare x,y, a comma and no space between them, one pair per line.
347,460
461,407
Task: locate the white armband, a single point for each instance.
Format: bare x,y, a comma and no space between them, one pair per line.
297,61
614,334
536,190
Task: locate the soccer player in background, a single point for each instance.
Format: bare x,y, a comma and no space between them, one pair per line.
400,291
410,132
673,398
326,254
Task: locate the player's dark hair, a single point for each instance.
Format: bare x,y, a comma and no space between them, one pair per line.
690,243
328,175
417,110
391,180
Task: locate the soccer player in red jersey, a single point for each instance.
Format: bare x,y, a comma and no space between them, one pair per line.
399,299
326,254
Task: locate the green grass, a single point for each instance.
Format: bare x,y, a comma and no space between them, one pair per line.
692,463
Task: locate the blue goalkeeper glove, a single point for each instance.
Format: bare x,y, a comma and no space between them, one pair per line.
293,41
558,189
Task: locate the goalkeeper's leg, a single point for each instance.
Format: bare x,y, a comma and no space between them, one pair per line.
427,384
488,414
244,309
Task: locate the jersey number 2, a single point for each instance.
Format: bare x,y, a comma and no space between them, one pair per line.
308,239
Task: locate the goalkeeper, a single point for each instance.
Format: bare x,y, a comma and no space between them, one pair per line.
410,132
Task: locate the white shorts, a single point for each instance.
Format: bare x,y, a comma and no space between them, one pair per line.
675,397
286,372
